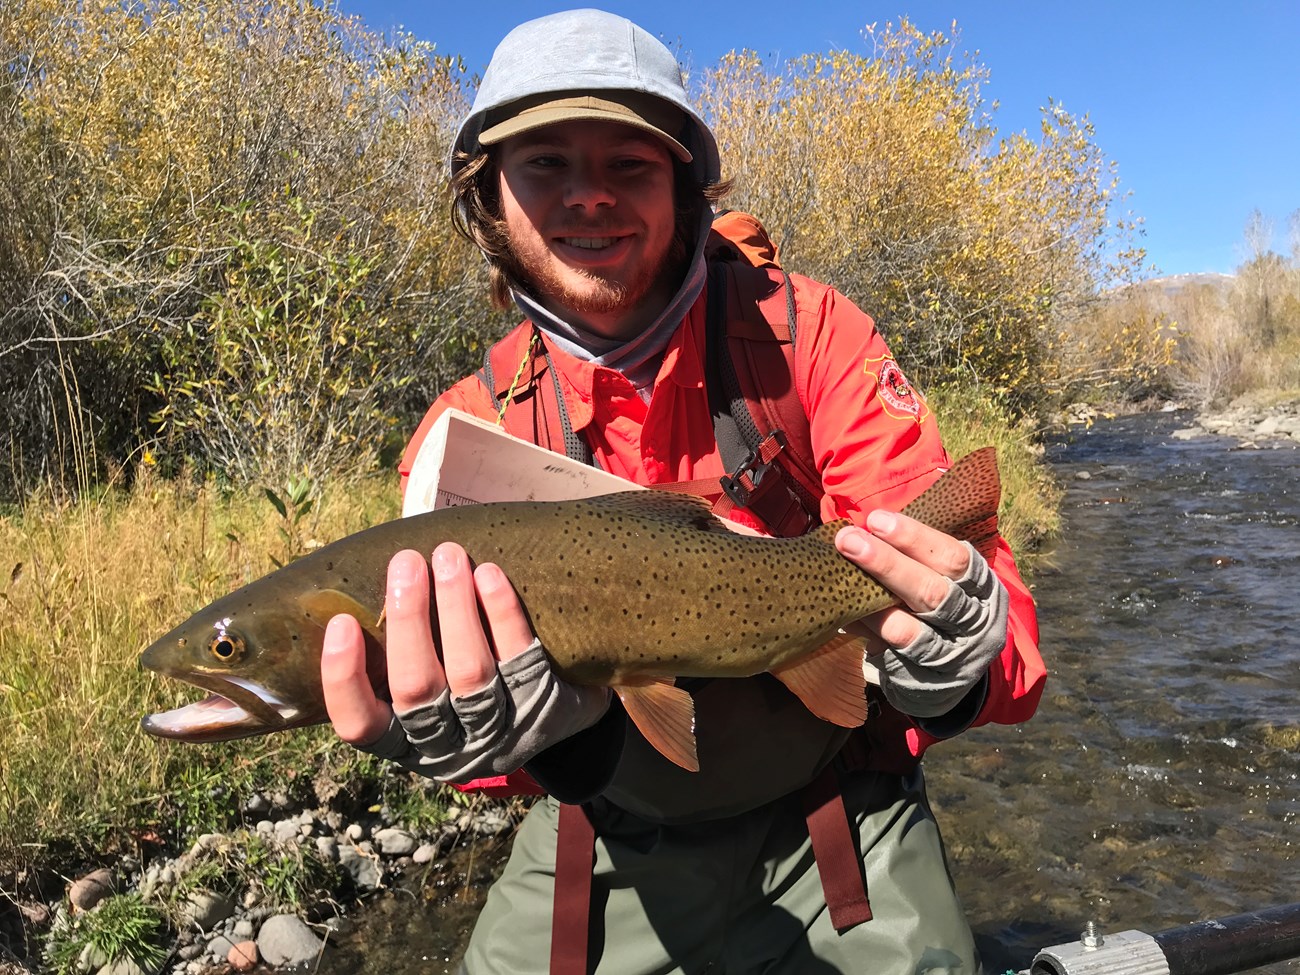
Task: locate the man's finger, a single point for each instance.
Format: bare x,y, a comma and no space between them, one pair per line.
415,675
918,586
466,652
507,622
358,717
918,541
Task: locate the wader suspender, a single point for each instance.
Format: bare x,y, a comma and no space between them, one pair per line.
762,486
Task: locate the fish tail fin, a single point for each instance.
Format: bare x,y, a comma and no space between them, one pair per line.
830,681
964,501
665,715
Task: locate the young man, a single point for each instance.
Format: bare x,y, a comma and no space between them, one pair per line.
586,177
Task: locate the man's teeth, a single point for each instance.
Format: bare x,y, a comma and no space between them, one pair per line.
591,243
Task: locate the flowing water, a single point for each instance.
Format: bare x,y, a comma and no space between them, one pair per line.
1159,783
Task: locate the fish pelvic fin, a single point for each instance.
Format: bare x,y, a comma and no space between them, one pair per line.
964,501
830,681
665,716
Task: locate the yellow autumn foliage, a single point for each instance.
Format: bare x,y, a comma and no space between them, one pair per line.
980,255
225,234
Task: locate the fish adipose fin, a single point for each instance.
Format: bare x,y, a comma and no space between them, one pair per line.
829,681
665,716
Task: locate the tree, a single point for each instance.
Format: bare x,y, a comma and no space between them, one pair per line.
981,256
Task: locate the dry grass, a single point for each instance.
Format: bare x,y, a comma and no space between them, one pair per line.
86,587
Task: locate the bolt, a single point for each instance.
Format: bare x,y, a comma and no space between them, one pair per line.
1091,936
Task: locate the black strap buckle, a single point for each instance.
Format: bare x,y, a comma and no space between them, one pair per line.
746,479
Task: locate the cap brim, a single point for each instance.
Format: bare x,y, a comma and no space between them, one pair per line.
541,117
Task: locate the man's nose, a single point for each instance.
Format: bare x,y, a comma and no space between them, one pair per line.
587,188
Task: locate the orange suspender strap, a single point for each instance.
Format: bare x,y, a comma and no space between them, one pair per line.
835,848
575,859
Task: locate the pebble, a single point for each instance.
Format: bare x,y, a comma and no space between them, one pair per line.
395,842
365,871
122,966
219,948
285,831
243,957
328,848
286,942
91,889
205,909
425,853
355,832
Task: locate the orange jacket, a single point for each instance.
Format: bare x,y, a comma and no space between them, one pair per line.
874,442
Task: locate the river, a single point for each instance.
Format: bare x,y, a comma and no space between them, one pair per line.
1159,783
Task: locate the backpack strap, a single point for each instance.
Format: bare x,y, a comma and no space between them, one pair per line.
759,423
528,407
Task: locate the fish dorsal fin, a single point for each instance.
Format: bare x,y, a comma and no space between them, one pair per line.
665,716
830,681
964,501
670,508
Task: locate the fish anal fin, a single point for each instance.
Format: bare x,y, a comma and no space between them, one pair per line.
665,716
830,681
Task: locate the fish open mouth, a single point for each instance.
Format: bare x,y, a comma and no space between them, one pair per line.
233,709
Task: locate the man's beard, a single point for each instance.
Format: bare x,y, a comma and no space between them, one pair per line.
598,295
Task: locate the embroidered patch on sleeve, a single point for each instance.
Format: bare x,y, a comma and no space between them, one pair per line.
899,399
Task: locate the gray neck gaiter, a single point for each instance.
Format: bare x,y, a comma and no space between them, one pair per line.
639,358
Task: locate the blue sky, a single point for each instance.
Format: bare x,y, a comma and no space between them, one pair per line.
1198,103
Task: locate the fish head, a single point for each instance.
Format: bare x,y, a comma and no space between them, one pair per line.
259,659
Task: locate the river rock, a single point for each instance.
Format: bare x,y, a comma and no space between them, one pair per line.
286,831
205,909
328,848
395,842
364,870
219,948
243,957
91,959
286,942
91,889
425,853
122,966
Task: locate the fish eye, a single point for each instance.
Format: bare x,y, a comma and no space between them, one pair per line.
227,647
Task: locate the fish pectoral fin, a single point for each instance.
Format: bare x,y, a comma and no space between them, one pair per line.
830,681
322,605
665,716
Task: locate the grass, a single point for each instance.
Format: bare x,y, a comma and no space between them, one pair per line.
121,926
85,587
968,420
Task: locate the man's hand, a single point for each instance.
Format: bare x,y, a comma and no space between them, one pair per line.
953,623
478,699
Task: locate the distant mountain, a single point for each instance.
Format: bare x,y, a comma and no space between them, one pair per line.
1172,284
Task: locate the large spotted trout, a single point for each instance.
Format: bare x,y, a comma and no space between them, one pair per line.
626,590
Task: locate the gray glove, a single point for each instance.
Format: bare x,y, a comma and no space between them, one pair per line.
523,711
961,638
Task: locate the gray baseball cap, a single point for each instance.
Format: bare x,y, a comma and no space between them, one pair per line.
587,64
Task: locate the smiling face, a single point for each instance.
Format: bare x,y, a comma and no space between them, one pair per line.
589,210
